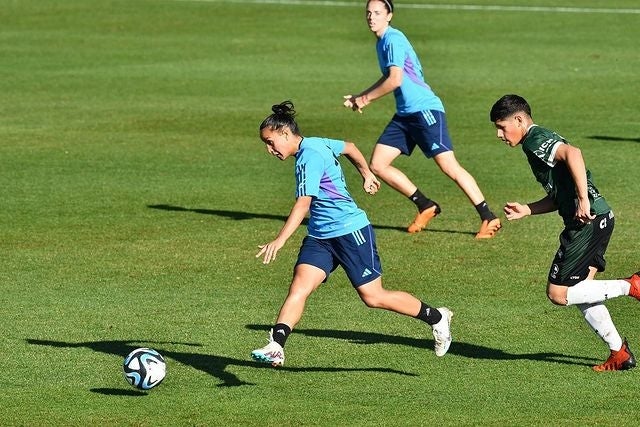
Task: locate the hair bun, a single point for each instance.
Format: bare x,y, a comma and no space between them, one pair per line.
284,108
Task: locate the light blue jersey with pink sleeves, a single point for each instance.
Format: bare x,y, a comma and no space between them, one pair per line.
414,94
333,211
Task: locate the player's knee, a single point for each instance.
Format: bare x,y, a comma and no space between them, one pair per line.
377,168
557,299
299,292
557,294
448,163
372,300
450,169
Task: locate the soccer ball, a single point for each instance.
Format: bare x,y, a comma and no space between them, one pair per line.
144,368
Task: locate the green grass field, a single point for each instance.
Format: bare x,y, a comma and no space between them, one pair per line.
135,191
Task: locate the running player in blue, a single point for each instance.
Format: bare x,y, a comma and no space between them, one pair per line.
419,120
339,234
559,167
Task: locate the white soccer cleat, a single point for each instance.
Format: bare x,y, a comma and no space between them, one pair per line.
442,332
272,353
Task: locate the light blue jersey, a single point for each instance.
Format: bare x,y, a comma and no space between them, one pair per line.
414,94
333,212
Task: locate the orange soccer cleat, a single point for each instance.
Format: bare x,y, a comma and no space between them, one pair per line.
634,291
488,229
620,360
423,218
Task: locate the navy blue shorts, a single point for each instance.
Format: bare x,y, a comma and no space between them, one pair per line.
356,252
426,129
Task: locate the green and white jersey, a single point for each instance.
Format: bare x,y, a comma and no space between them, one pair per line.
540,147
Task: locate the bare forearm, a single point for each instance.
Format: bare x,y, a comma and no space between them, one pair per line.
384,85
575,163
372,88
381,88
298,212
296,216
572,157
356,158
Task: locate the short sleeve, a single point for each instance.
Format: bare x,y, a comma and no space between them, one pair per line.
544,149
309,170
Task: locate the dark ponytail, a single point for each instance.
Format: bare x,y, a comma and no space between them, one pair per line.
283,116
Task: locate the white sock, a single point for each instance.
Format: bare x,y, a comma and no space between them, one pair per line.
593,291
598,317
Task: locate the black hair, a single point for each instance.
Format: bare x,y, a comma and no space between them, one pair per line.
283,116
507,106
388,4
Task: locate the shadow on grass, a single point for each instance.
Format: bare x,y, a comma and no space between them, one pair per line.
118,392
210,364
613,138
239,216
472,351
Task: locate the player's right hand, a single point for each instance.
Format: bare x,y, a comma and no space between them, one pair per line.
371,185
350,102
269,250
515,210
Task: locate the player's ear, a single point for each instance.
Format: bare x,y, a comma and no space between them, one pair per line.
519,119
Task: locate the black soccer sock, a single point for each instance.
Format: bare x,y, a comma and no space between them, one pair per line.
421,201
280,333
428,314
484,211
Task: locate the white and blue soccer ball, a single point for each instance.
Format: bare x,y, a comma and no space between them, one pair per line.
144,368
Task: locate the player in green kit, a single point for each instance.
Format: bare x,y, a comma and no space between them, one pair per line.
588,221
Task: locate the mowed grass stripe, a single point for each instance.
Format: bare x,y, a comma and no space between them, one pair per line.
465,7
